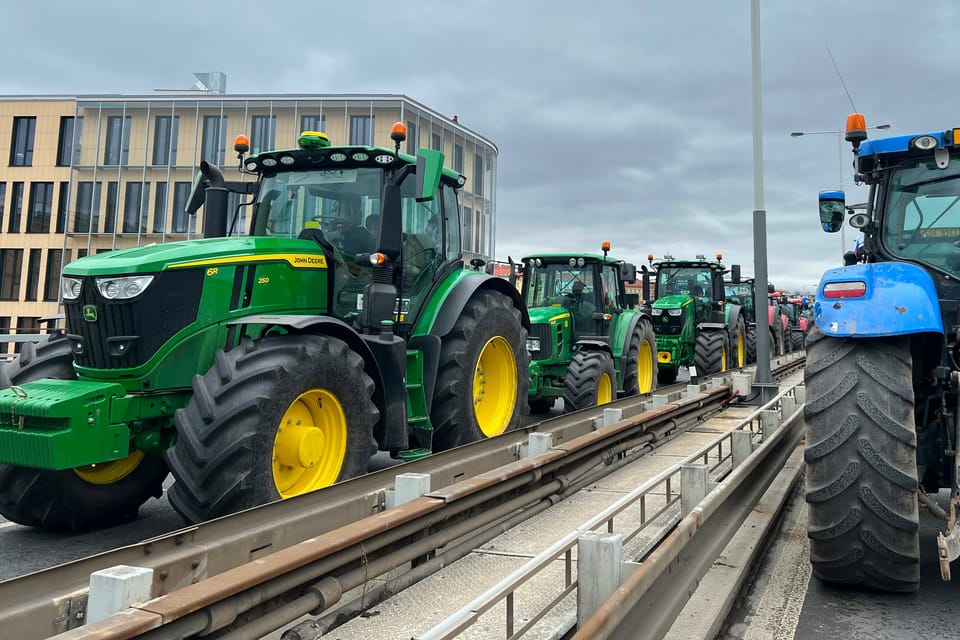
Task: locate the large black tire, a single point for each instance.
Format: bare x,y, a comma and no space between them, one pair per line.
861,448
542,405
710,352
751,344
271,419
796,339
591,380
640,371
667,376
484,379
65,500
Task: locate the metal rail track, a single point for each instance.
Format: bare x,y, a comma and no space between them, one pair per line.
226,573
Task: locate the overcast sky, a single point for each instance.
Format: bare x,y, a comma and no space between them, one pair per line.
620,121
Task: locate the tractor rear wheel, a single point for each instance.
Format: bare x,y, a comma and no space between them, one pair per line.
861,457
640,369
751,344
88,497
483,380
591,380
270,420
710,352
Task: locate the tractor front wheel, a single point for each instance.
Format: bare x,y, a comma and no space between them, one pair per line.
483,380
271,420
94,496
590,381
861,457
640,371
710,352
751,344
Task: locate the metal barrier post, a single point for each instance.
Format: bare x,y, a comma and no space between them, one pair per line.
599,556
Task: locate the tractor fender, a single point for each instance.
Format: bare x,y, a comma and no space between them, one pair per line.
733,317
452,306
712,326
392,412
900,298
593,345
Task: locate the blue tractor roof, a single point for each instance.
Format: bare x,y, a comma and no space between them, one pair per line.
895,144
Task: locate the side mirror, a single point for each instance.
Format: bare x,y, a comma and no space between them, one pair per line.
735,273
628,272
771,288
832,208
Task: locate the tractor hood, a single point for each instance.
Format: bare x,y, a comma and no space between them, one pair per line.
672,302
195,253
546,315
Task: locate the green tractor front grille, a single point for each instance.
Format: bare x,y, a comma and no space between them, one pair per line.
668,325
541,332
118,334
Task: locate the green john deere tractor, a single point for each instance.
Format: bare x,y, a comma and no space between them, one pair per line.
263,366
587,343
693,322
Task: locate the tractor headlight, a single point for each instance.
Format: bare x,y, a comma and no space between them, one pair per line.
675,312
70,288
533,345
656,312
123,288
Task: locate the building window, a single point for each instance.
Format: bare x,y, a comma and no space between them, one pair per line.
33,274
110,216
62,202
478,174
312,123
437,142
40,208
458,158
11,264
16,207
413,138
4,330
117,149
135,207
166,129
65,144
262,133
21,145
51,285
160,208
467,229
181,194
3,200
361,130
88,207
214,142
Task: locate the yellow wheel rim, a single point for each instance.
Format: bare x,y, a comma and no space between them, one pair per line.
110,472
723,360
495,387
604,389
310,444
645,367
741,350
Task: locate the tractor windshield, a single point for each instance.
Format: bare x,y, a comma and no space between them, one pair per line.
558,284
922,214
342,203
683,281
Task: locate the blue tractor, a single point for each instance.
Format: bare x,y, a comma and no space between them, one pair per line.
883,366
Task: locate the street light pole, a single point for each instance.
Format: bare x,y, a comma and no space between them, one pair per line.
840,140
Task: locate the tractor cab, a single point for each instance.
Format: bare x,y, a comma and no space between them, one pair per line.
697,282
388,223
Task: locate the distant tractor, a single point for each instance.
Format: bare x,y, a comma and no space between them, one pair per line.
693,322
777,323
264,366
588,343
794,307
882,377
